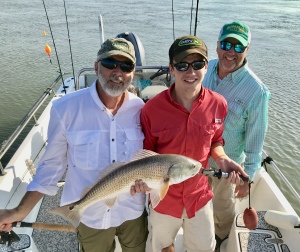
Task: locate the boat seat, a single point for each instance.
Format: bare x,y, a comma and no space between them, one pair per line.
264,238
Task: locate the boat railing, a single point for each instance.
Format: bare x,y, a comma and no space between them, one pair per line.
142,72
269,160
26,119
146,73
144,76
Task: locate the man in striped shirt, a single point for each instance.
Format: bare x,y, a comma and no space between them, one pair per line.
246,121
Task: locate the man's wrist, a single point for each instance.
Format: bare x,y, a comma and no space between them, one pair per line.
220,156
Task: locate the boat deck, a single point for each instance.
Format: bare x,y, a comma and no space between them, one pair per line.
49,241
264,238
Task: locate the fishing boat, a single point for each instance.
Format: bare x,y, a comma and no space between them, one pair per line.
278,223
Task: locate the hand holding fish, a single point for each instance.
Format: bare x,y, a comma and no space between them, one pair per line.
139,186
228,165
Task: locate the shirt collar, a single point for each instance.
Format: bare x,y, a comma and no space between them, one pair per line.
199,98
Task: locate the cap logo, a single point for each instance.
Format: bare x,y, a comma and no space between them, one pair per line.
189,42
236,28
121,45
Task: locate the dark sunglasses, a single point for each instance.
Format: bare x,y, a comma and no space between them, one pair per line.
226,46
126,67
184,66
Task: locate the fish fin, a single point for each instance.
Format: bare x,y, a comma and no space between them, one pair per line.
157,195
110,202
70,213
143,153
164,189
154,198
139,155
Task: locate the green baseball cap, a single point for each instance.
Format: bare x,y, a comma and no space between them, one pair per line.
186,45
236,30
116,46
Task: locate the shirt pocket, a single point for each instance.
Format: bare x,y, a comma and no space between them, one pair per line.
134,135
133,140
84,149
206,135
236,117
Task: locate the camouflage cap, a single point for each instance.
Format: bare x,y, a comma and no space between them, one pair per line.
116,46
186,45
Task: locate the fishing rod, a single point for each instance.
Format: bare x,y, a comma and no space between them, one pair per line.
196,19
69,39
270,161
7,239
60,72
219,174
191,16
173,18
44,226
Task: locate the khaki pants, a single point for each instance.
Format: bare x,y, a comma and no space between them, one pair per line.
198,232
132,235
224,205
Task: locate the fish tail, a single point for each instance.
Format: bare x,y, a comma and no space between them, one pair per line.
70,213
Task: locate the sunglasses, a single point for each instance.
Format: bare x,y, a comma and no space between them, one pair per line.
184,66
126,67
226,46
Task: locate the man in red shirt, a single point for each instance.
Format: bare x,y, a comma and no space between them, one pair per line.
187,119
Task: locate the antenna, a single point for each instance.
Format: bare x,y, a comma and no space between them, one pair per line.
101,30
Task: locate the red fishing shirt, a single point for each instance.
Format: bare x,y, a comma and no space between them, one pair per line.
170,129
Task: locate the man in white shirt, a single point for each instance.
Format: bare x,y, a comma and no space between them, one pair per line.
89,130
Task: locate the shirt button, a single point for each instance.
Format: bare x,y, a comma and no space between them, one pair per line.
112,139
114,161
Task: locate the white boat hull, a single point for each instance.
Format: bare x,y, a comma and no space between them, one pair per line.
265,195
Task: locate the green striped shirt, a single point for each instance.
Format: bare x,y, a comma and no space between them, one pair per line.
247,119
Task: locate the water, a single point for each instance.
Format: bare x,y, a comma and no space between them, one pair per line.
26,70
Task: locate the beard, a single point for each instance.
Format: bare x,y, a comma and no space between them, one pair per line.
110,89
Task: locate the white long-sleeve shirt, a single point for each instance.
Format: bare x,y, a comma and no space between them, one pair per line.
84,138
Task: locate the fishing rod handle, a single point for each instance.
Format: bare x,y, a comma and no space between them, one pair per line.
220,174
45,226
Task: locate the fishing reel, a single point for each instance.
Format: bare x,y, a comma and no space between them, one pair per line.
219,174
8,238
10,241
